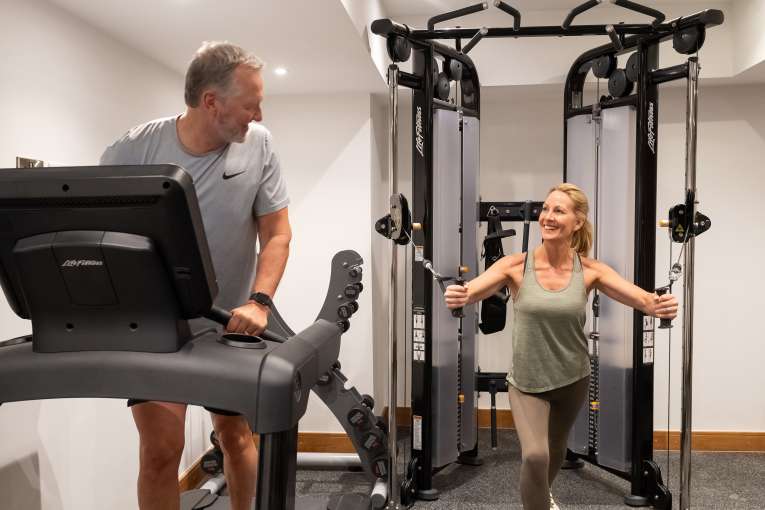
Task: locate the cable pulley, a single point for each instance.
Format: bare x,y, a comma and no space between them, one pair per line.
396,226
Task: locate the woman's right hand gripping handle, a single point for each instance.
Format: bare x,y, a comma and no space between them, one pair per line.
456,296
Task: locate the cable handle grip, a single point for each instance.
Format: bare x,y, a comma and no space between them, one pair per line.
664,323
458,312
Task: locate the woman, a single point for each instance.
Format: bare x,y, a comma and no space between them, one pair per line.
550,374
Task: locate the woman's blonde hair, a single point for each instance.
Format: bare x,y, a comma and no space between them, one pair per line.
582,239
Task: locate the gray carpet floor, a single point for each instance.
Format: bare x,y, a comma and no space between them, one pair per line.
720,481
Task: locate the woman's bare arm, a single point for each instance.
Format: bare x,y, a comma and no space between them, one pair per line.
611,283
502,273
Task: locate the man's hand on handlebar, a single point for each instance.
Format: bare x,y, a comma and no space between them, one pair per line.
248,319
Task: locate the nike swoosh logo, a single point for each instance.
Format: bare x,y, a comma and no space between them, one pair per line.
229,176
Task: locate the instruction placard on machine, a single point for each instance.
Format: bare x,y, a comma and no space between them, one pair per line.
648,339
418,335
416,432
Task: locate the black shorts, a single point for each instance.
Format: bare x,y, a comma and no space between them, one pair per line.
133,401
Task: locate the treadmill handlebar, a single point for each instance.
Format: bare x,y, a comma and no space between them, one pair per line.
219,315
223,317
340,303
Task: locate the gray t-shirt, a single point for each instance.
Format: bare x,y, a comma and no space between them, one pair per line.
234,185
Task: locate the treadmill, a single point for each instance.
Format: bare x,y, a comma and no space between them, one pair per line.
111,264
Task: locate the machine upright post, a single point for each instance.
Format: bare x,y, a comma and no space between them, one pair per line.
393,486
277,459
687,389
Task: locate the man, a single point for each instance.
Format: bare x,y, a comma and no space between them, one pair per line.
243,198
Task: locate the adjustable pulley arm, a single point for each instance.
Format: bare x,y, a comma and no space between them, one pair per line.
685,221
397,226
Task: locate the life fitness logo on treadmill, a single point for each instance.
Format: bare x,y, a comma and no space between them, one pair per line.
651,128
419,141
82,263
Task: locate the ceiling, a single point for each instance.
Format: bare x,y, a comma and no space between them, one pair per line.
325,52
307,37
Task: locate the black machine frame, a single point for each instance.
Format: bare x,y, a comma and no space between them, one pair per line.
645,476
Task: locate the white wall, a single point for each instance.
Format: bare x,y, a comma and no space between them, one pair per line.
66,91
728,343
380,270
324,142
382,248
749,39
362,14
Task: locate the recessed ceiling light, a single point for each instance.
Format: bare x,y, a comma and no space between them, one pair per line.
280,71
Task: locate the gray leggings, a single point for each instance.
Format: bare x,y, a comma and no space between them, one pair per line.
543,421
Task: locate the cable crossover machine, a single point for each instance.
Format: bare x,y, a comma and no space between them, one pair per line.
610,151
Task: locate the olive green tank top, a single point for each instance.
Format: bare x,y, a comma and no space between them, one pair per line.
549,344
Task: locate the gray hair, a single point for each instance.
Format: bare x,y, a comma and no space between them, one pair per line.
213,65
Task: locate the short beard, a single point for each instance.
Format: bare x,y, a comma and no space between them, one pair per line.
231,134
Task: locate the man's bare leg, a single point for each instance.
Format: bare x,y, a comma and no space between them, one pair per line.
240,458
161,431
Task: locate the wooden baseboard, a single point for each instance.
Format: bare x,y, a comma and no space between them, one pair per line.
710,441
703,441
504,418
332,442
324,442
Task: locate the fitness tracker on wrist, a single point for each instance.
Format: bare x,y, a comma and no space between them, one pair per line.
261,298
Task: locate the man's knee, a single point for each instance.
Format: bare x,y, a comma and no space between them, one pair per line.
161,431
161,451
234,436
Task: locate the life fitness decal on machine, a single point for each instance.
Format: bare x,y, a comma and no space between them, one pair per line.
82,263
419,141
651,135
